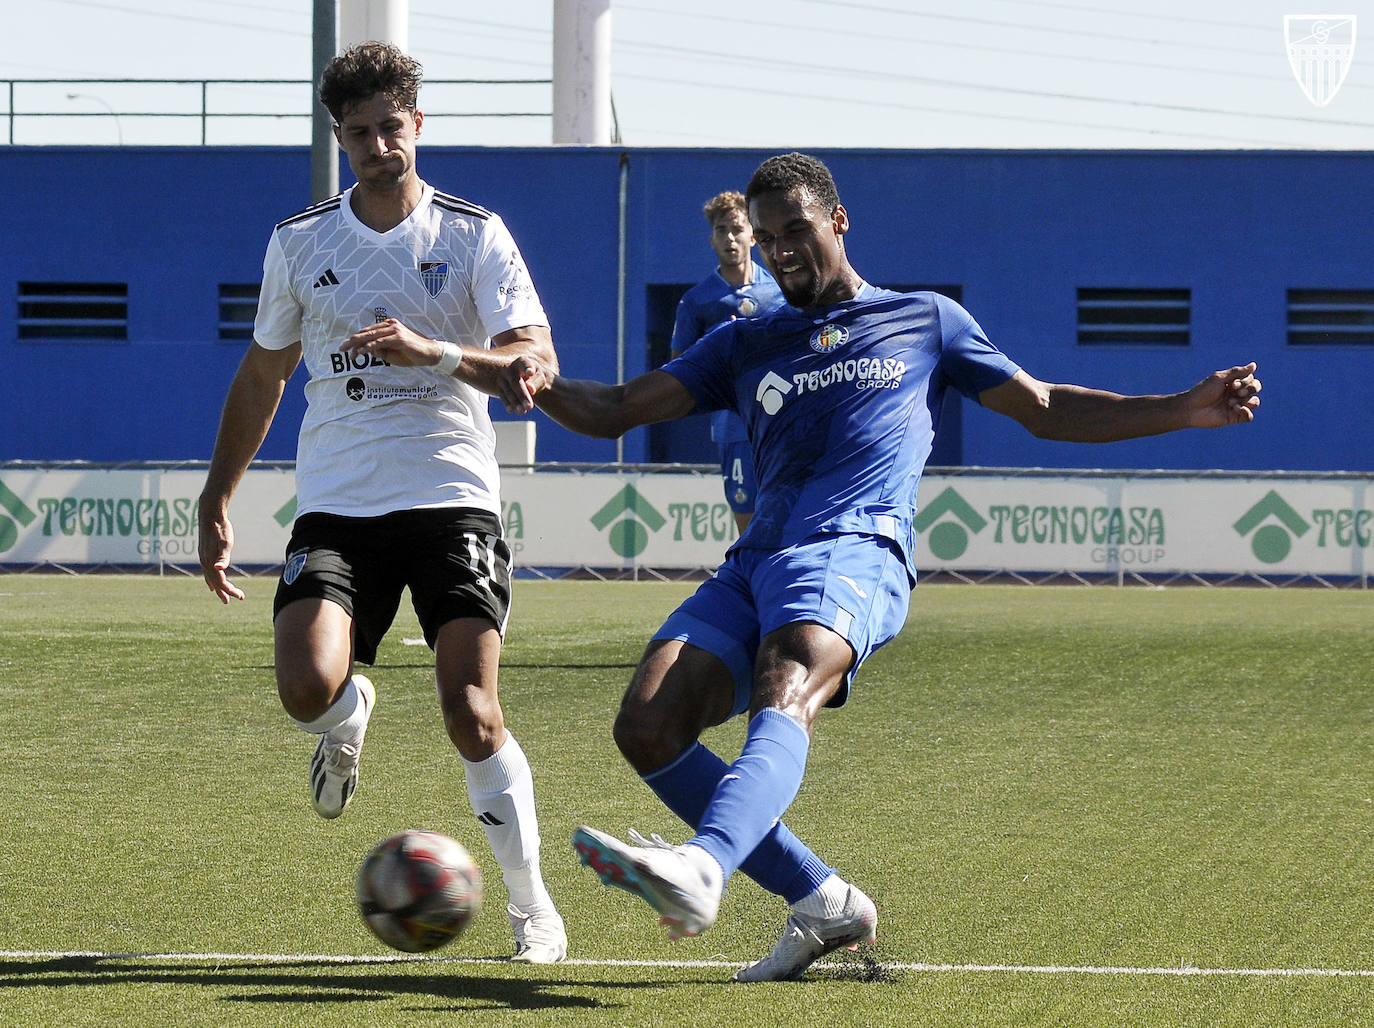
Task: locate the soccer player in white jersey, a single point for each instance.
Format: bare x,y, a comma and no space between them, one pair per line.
838,391
396,476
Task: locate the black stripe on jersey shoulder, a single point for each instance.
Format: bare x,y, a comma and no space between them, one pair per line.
459,205
323,207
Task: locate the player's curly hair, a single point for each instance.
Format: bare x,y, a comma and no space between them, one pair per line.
364,71
785,171
724,203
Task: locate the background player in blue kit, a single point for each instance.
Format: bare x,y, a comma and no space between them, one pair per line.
738,288
839,392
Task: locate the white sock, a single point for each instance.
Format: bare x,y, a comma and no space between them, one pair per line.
501,790
827,901
345,717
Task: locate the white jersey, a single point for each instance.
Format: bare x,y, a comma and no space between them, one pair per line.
377,437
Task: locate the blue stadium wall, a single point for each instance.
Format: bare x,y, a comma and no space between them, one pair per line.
1016,234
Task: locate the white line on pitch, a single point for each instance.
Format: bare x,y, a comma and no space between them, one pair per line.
1183,971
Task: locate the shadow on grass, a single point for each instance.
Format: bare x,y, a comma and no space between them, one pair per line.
317,982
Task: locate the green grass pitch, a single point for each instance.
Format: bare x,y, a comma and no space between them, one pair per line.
1073,806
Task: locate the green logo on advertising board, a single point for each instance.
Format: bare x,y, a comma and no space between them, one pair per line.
949,539
18,511
1272,542
627,513
286,513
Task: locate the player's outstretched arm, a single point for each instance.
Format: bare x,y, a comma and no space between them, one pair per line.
482,369
249,408
1074,413
1228,397
596,408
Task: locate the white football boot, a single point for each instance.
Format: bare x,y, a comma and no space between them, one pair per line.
540,937
806,939
683,883
334,767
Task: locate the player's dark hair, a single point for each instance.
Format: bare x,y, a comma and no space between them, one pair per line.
786,171
365,70
724,203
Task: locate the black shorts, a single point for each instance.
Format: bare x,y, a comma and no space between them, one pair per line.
454,561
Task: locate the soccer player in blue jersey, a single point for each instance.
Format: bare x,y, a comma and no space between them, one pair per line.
738,288
839,392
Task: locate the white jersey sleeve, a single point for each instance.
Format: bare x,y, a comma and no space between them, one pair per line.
278,321
501,287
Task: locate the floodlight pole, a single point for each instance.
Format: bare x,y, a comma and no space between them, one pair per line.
582,72
324,155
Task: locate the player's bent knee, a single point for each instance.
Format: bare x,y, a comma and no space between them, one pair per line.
645,741
307,692
473,720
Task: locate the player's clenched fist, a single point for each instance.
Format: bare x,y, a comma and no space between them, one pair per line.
521,381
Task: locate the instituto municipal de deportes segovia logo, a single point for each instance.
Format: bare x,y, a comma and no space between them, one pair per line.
1321,48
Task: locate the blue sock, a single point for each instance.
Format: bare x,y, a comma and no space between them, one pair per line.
781,863
756,790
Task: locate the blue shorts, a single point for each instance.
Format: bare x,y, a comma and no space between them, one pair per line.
737,472
855,585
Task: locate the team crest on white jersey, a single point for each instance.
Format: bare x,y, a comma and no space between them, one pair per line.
829,338
434,274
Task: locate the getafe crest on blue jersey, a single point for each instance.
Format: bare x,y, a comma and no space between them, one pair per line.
829,338
841,414
433,274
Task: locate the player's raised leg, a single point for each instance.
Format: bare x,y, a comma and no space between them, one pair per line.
685,883
323,697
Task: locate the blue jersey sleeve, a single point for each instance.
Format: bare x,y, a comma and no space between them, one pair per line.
968,360
706,369
685,330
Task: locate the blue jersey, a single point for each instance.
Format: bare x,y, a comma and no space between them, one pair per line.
840,404
707,304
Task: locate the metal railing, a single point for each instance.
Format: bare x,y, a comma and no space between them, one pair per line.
207,101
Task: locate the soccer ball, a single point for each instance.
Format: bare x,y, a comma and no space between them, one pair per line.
418,890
